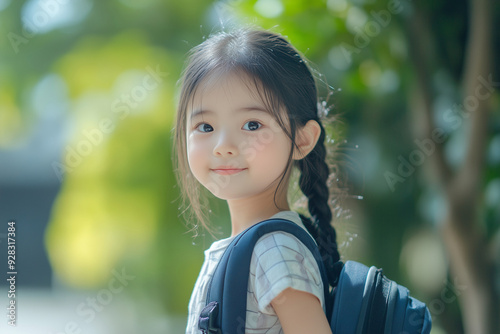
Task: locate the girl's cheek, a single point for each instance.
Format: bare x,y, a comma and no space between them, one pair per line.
198,150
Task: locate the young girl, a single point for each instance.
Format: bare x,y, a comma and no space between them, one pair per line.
248,114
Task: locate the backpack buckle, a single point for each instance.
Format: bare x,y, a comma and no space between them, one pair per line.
208,319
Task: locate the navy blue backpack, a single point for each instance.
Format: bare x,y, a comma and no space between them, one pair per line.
364,300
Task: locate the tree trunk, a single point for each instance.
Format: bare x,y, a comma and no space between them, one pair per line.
470,255
472,273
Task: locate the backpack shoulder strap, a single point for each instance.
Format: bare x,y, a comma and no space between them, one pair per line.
227,292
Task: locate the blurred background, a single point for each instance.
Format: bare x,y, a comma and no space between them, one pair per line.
87,103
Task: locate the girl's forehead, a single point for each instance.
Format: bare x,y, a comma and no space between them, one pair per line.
232,85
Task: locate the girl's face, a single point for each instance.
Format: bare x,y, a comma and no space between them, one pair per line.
235,148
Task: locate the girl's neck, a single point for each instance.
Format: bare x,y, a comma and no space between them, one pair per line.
249,211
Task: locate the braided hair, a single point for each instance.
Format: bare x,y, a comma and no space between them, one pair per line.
285,83
313,183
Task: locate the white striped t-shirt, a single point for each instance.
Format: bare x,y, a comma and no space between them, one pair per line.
279,261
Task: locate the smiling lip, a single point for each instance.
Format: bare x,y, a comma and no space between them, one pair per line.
227,170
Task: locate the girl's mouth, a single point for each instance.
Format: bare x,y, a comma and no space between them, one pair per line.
227,170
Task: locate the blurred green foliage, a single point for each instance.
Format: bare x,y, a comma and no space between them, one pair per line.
120,65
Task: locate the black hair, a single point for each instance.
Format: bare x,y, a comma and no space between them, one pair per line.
284,82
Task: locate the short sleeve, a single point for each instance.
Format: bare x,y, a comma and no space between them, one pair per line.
281,261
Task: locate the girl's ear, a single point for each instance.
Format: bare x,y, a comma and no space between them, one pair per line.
306,139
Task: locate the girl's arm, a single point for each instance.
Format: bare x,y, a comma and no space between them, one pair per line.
300,312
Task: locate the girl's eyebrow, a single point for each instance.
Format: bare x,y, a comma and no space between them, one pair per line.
198,112
255,108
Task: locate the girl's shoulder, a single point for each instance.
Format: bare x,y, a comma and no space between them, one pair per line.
291,216
279,261
280,246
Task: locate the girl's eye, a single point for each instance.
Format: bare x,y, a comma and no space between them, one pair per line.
252,126
204,127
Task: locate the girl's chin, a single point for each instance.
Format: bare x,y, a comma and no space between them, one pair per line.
228,196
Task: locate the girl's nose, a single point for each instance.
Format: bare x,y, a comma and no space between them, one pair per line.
225,147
